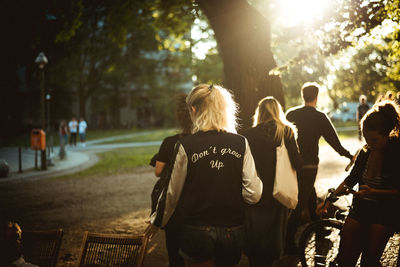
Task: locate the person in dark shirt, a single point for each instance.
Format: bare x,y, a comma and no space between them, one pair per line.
159,161
398,98
213,173
267,220
311,125
362,109
374,216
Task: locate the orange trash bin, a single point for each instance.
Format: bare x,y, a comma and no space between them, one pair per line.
38,139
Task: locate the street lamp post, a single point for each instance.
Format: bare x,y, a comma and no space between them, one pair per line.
49,132
41,61
48,98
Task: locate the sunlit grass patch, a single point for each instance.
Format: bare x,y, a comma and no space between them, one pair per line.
97,134
153,135
118,161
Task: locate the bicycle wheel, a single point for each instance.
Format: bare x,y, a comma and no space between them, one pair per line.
319,243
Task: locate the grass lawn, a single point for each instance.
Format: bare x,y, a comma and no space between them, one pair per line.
152,135
118,161
344,130
339,124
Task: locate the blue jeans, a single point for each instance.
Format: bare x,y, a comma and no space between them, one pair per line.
203,243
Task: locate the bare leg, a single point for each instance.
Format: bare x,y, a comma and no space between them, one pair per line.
377,237
350,243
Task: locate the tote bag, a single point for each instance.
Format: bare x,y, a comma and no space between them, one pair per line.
285,185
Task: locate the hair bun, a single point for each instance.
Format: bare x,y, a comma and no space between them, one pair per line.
387,109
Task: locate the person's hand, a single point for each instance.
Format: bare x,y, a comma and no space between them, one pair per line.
322,208
364,191
151,230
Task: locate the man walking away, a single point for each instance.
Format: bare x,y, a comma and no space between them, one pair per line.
311,125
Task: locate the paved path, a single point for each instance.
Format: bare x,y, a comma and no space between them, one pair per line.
77,159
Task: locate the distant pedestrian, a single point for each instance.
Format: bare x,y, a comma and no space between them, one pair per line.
82,131
362,109
73,130
63,133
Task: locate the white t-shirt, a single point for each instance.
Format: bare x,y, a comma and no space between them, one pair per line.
73,126
82,127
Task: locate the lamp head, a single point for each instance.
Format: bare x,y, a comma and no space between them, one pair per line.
41,60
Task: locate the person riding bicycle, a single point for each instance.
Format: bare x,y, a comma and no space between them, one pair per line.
374,216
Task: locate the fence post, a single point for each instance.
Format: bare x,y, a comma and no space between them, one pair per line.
36,163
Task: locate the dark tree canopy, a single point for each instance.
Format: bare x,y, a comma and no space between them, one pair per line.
97,48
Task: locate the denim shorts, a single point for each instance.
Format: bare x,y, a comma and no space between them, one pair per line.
203,243
375,212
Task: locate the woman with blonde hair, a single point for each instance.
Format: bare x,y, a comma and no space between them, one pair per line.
213,173
266,222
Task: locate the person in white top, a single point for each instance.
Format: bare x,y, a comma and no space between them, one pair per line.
82,131
73,130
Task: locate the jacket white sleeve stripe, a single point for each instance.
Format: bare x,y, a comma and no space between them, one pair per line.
178,177
252,184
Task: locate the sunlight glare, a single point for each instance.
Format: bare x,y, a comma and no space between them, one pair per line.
201,43
294,12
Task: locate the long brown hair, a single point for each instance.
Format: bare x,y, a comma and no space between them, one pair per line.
269,109
182,114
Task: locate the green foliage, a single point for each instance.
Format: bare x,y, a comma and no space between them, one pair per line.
111,56
365,74
69,13
209,70
173,16
356,44
137,54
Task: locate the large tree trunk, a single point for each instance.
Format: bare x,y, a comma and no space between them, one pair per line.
243,37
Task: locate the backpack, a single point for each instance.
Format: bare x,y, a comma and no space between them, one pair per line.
162,183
